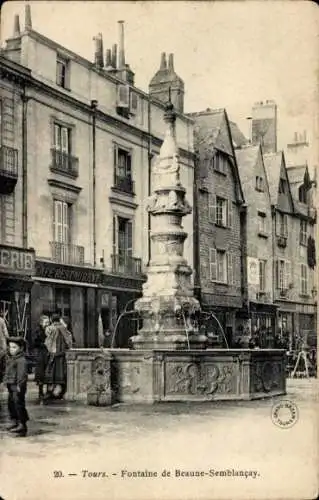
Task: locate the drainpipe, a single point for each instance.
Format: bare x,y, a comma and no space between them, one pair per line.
94,105
149,153
273,232
24,170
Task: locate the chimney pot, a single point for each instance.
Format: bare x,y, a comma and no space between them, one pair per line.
16,27
28,20
171,62
121,45
163,65
114,56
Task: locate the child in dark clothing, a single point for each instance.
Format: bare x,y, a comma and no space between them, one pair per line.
16,376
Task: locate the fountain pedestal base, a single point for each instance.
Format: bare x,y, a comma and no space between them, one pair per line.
159,375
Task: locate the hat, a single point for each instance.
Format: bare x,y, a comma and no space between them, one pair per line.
17,340
55,318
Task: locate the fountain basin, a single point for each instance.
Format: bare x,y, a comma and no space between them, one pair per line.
106,376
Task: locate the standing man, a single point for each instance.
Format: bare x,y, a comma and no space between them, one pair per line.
3,345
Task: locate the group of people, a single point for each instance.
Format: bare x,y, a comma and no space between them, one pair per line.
51,341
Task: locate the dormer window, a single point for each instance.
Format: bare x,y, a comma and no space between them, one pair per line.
259,184
219,163
282,186
62,72
302,194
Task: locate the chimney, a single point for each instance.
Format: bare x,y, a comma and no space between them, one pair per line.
114,56
108,59
27,19
171,63
16,27
98,55
163,65
121,45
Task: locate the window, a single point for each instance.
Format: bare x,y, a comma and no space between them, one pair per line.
283,275
221,266
134,103
303,233
282,186
61,222
62,70
220,211
262,226
62,139
123,170
302,194
282,224
7,218
303,280
262,275
122,240
123,96
220,163
259,183
63,303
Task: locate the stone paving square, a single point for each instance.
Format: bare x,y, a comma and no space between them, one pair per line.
78,452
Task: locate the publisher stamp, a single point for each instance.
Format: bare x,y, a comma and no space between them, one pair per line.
284,414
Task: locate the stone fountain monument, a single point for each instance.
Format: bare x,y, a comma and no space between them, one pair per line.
168,306
169,360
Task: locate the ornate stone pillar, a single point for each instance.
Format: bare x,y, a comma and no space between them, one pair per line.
168,306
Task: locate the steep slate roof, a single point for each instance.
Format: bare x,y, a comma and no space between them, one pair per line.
212,131
272,162
238,137
246,161
298,174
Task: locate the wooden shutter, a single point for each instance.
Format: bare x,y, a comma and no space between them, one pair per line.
277,224
65,223
134,103
277,281
301,277
129,239
129,165
212,208
115,157
286,225
57,221
229,213
287,276
64,140
114,242
213,264
230,268
57,136
123,93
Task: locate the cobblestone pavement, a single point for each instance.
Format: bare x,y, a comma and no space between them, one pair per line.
68,439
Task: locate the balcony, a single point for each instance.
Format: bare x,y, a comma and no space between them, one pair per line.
62,253
282,241
8,169
124,184
65,164
123,264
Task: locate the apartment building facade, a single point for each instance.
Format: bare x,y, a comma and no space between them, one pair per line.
219,219
91,139
259,309
17,259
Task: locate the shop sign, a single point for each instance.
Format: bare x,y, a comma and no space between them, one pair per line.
16,260
253,271
60,272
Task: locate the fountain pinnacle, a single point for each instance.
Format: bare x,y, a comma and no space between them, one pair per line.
168,305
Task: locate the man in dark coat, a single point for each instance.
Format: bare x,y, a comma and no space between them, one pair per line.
41,353
16,377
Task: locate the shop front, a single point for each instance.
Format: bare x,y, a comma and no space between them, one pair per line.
16,271
70,291
263,324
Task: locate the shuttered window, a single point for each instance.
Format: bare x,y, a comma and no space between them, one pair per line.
62,138
281,224
303,279
7,218
61,222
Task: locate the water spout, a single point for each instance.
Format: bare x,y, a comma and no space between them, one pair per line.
123,313
212,315
186,329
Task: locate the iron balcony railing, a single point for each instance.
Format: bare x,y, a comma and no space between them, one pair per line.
8,162
64,163
124,264
63,253
125,184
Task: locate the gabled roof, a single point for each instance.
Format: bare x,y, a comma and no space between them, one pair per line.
238,137
273,162
212,131
298,174
247,161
